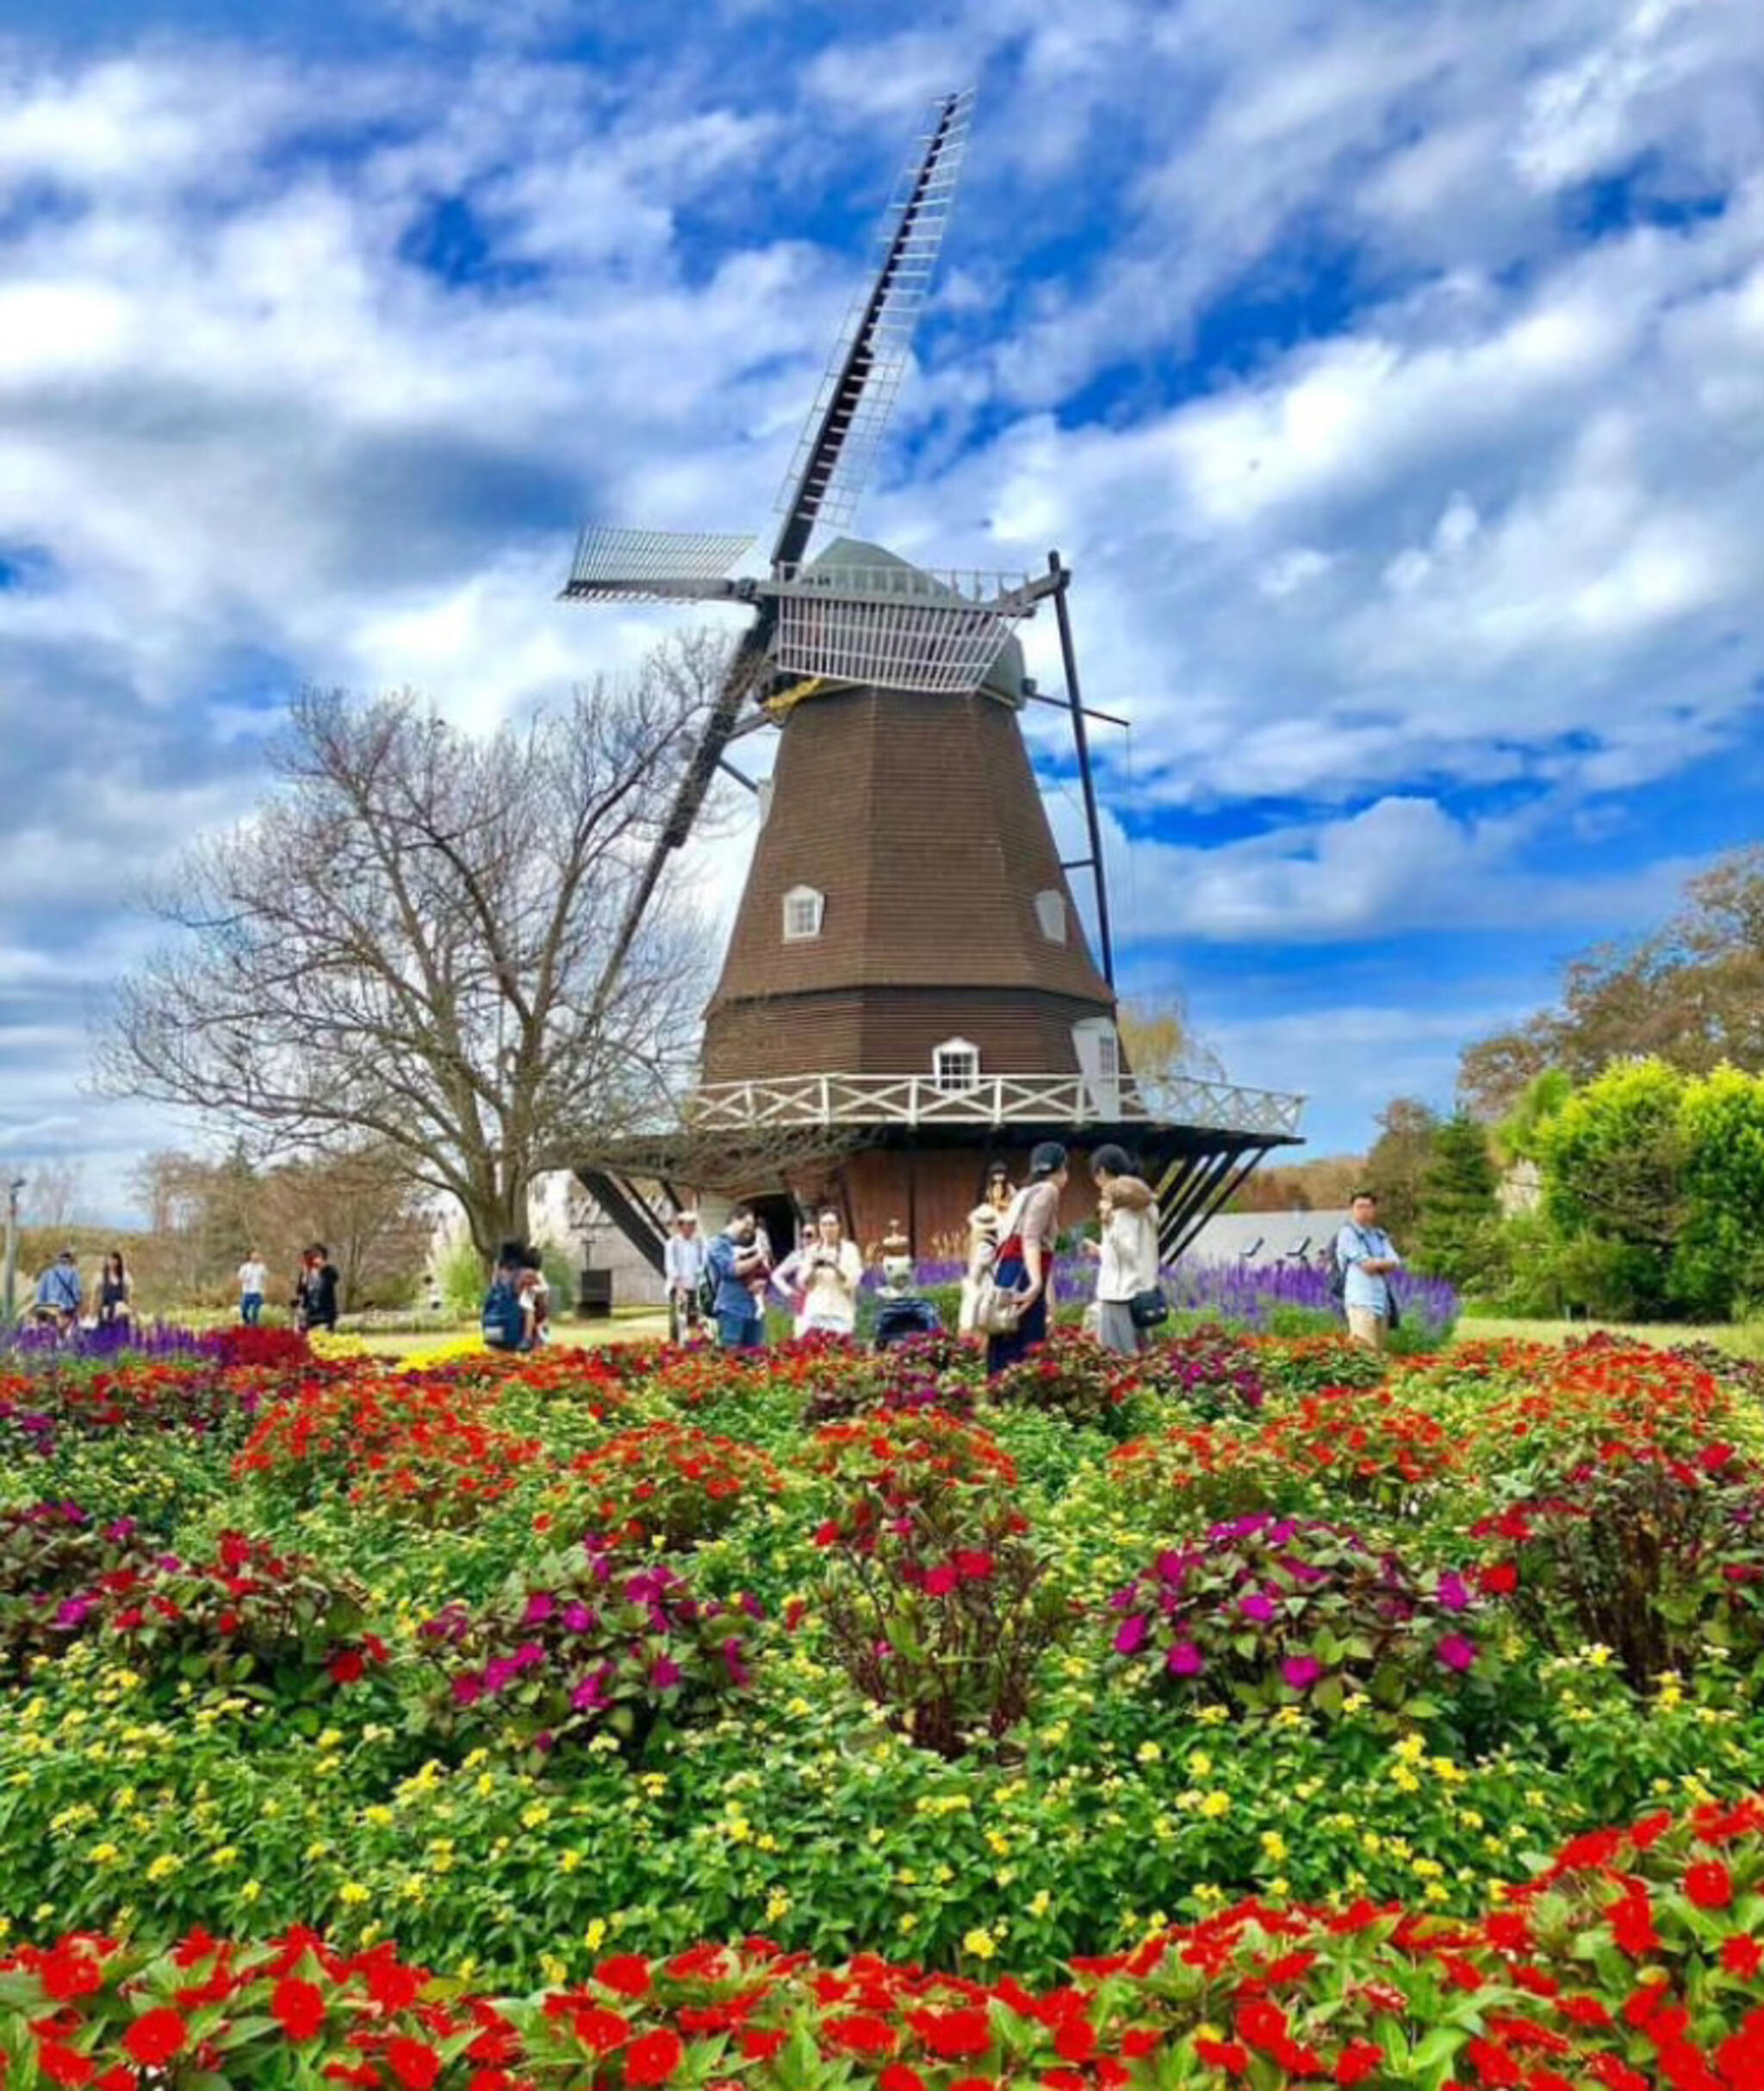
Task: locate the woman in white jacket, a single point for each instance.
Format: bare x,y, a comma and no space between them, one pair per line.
827,1271
1126,1250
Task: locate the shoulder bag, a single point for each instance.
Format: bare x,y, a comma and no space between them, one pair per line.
998,1306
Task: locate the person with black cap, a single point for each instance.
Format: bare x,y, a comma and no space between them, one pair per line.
1025,1261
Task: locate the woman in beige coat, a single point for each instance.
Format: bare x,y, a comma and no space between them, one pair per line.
1126,1249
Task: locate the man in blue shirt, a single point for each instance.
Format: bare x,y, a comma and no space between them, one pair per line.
60,1293
1367,1258
738,1263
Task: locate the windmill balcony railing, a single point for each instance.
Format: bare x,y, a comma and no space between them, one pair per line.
993,1100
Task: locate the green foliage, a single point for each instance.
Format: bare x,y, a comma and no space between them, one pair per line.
462,1277
1460,1214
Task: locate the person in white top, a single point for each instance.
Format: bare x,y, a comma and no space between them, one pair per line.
983,1240
683,1270
253,1277
827,1271
1126,1250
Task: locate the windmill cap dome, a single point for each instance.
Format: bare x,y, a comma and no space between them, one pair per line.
1006,676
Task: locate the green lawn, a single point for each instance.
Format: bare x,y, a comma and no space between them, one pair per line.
1743,1339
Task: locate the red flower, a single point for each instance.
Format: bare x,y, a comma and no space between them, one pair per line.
299,2006
65,2065
973,1566
897,2077
1742,1957
942,1579
155,2037
862,2032
1357,2060
346,1668
626,1973
68,1972
1709,1885
653,2058
950,2034
1632,1923
1076,2041
413,2062
1230,2055
1500,1578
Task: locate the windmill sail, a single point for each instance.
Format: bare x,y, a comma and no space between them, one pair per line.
848,418
846,425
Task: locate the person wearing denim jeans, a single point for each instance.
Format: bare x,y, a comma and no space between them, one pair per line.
738,1263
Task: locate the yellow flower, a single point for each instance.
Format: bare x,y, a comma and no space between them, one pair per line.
352,1893
1149,1753
1215,1803
163,1866
777,1906
1040,1902
1274,1845
595,1936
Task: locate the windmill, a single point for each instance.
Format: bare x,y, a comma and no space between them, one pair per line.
907,966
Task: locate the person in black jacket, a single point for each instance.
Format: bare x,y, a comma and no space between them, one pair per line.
315,1296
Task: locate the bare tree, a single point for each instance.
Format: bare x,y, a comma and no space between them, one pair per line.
52,1195
411,945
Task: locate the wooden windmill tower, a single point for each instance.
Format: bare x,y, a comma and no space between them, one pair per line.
907,970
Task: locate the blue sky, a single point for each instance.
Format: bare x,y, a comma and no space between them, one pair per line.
1392,374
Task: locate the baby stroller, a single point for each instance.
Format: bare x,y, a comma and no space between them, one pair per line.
899,1320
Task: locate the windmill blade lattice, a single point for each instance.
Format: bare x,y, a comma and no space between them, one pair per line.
850,415
638,566
897,628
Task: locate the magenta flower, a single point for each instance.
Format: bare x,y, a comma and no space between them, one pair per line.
665,1673
1301,1671
1453,1594
580,1618
1455,1651
1184,1659
1259,1606
540,1608
1130,1635
467,1688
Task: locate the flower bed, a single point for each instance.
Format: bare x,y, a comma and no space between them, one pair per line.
527,1663
1633,1962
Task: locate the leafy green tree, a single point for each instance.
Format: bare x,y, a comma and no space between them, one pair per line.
1460,1210
1614,1170
1718,1262
1399,1161
1692,994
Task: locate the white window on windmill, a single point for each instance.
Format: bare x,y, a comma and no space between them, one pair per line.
1098,1048
955,1066
803,910
1050,912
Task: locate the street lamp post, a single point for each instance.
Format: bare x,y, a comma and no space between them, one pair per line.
12,1190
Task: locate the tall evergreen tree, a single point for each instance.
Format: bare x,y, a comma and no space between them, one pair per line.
1460,1209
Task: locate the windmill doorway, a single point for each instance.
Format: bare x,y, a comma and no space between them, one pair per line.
776,1214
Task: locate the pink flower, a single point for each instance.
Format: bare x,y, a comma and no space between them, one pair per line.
1184,1659
580,1618
1301,1671
664,1673
1258,1606
540,1608
467,1689
1130,1635
1455,1651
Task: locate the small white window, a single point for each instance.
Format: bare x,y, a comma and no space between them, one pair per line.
1108,1055
801,914
955,1066
1050,912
